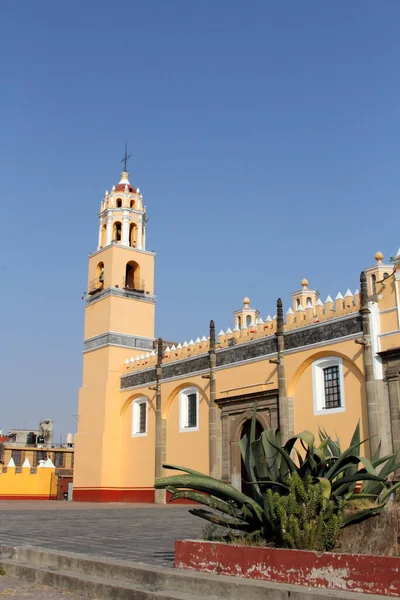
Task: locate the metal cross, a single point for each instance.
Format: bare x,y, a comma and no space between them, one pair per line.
125,159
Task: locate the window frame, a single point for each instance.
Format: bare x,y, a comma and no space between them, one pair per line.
136,417
184,410
319,385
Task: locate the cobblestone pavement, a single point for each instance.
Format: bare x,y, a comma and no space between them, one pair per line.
19,590
142,533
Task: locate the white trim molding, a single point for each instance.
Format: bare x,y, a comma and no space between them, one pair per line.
184,409
136,404
319,385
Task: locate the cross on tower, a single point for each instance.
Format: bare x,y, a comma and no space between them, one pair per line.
125,159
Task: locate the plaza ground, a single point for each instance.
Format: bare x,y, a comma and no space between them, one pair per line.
20,590
143,533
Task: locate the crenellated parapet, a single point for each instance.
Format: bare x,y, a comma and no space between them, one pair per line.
306,309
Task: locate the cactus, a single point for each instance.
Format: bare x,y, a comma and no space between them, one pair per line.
297,502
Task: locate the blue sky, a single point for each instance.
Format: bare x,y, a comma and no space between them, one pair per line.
264,137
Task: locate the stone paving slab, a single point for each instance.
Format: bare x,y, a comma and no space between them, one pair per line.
20,590
142,533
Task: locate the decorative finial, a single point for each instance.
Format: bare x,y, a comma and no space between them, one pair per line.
246,302
159,352
363,291
212,336
304,283
379,257
279,316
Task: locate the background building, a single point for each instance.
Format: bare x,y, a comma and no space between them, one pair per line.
28,450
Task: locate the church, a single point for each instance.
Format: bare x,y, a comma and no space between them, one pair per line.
144,403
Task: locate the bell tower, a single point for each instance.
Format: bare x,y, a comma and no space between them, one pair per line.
119,322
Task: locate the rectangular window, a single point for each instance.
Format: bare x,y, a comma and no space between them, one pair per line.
189,410
16,455
142,418
139,417
332,387
192,410
59,459
328,385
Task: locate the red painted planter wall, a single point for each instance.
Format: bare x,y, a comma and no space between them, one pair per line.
350,572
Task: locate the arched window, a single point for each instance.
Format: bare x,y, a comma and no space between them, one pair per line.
308,300
119,203
132,204
103,235
132,276
239,322
132,235
297,302
385,275
100,272
373,284
117,231
248,320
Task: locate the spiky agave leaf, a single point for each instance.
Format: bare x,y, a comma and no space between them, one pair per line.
219,520
212,486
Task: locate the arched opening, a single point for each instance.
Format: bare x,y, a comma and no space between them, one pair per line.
373,284
246,487
103,235
308,300
119,203
132,235
100,272
248,320
385,275
297,302
117,231
132,204
132,276
239,322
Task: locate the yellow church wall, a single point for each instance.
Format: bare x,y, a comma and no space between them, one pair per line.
97,318
386,293
137,320
235,379
24,484
186,448
389,321
137,458
298,368
117,314
390,341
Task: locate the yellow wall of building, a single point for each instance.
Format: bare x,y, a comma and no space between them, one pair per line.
22,484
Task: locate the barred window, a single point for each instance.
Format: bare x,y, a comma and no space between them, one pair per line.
189,407
59,459
332,387
192,410
139,417
328,385
16,455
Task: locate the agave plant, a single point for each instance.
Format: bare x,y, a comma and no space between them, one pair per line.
299,490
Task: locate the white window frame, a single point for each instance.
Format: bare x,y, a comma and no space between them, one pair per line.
183,409
319,385
136,416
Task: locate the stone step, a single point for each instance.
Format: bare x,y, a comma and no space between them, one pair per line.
109,579
92,586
